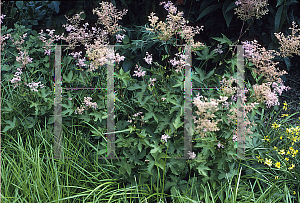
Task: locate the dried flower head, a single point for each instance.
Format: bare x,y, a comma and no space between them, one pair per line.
176,24
251,8
108,16
290,44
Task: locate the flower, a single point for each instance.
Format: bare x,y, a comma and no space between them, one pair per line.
268,162
275,126
281,152
238,2
191,154
218,50
2,17
283,115
251,8
277,165
291,44
86,106
292,166
151,81
139,72
266,138
148,59
120,37
164,137
220,145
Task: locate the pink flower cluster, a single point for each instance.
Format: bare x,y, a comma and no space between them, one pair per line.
34,85
179,64
139,72
88,104
148,58
251,8
24,59
176,24
164,137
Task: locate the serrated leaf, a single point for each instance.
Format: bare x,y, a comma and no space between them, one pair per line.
160,163
205,55
223,40
6,110
69,78
177,124
202,169
12,124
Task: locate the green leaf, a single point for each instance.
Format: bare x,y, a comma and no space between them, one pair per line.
125,77
223,40
164,57
12,124
125,39
208,10
7,110
231,6
287,63
54,5
228,15
202,169
69,77
20,4
160,163
204,55
177,123
280,17
150,114
279,2
128,167
34,105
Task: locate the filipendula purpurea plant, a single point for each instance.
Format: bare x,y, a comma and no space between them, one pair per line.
151,84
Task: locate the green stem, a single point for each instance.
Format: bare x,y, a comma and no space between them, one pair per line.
165,169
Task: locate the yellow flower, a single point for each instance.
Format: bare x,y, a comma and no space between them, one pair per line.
276,177
281,137
275,125
294,193
287,159
285,105
283,115
268,162
275,148
288,130
293,166
266,138
288,152
277,165
259,159
281,152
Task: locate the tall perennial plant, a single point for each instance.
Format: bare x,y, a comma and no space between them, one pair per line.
163,109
